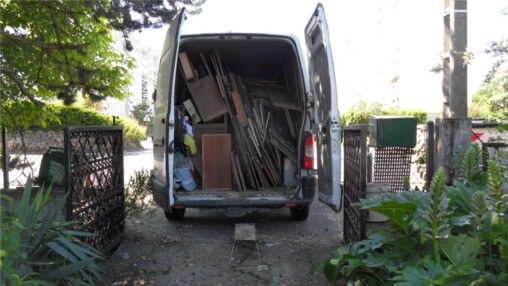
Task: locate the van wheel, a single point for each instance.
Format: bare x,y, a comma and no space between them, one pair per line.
175,214
300,213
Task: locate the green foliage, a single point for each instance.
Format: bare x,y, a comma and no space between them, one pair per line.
131,129
453,235
436,214
76,115
50,52
470,166
405,184
61,49
138,194
499,52
491,100
361,111
39,250
140,111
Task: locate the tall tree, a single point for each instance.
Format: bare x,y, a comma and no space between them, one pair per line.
491,99
499,52
59,49
140,111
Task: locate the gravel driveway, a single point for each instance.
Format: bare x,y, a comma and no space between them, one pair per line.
197,249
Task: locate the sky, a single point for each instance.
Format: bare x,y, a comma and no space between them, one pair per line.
374,42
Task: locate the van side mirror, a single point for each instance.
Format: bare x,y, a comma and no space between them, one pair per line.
154,95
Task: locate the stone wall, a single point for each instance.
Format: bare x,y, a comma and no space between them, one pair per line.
38,142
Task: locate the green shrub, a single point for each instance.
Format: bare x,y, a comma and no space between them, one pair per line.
361,111
454,235
131,130
38,250
421,115
491,99
138,194
75,115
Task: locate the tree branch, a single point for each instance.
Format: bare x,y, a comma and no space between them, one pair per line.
59,38
12,74
42,45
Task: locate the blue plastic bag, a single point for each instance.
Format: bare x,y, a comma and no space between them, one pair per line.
185,177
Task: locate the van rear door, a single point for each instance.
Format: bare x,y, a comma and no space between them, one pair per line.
164,118
326,112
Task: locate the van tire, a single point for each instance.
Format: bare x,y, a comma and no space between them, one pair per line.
175,214
300,212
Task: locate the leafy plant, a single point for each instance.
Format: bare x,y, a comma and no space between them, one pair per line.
76,115
405,184
361,111
436,214
470,166
140,111
491,99
453,235
39,250
138,194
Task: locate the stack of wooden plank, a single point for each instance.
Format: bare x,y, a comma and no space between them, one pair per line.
262,116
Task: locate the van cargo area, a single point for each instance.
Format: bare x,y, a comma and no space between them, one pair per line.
239,103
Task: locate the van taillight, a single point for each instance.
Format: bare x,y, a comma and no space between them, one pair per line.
310,152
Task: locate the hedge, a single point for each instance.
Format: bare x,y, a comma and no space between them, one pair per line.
361,111
79,116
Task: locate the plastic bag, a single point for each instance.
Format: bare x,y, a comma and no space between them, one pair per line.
190,143
184,177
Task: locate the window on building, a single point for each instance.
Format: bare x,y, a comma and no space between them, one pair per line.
144,89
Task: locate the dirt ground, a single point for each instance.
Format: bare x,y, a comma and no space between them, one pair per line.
197,249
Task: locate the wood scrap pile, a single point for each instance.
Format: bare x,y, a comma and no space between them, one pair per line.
262,118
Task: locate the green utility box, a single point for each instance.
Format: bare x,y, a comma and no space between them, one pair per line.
392,131
52,167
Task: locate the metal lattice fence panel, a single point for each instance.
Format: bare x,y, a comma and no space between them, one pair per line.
94,180
355,173
392,165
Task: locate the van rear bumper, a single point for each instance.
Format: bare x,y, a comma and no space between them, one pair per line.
241,204
309,188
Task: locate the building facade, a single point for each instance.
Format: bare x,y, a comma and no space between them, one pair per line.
144,76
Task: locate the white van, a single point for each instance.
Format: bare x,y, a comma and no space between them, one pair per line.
283,139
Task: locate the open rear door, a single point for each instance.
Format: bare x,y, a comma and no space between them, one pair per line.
322,82
163,126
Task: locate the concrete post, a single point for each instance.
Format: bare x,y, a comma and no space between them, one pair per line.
450,135
454,129
454,67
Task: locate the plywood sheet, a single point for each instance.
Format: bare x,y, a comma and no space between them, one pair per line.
210,128
217,168
188,68
207,98
237,100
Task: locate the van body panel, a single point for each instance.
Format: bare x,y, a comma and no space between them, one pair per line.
326,112
163,127
247,44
